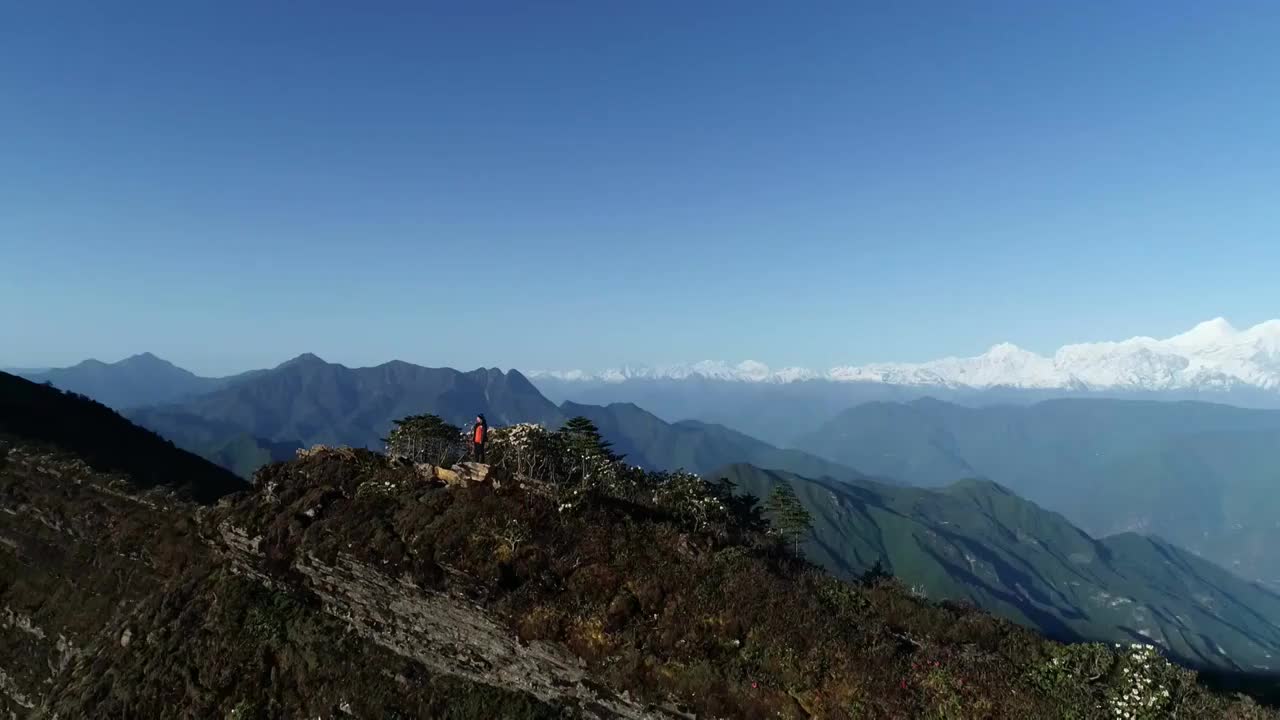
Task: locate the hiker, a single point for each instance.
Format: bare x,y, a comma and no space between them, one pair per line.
478,435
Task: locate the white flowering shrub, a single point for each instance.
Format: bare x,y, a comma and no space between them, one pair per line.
551,462
689,497
427,439
1137,683
526,451
380,486
1144,688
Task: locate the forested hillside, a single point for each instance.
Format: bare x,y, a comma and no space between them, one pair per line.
1202,476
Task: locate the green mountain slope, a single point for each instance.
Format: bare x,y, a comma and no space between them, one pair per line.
223,443
777,413
695,446
1204,476
107,442
977,541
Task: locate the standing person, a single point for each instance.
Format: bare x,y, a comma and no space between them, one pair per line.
478,435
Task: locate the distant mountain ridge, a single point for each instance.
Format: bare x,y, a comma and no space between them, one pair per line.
1211,356
141,379
699,447
1205,476
975,540
308,401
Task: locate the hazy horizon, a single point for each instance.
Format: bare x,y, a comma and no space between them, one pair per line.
1207,324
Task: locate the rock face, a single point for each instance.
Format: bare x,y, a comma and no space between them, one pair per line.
78,553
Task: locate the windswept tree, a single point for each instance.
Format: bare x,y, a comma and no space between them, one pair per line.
788,514
425,439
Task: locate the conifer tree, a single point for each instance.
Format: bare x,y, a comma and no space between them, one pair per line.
583,435
875,574
593,460
790,517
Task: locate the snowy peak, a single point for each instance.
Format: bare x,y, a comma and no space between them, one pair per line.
1208,333
746,371
1213,355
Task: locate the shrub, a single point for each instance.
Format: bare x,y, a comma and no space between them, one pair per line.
426,439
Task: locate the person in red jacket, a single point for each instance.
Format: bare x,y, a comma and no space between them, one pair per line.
479,434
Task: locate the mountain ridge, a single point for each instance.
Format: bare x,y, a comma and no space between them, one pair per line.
307,401
1213,355
698,447
1201,475
106,441
311,401
978,541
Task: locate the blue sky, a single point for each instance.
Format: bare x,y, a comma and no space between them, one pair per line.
586,184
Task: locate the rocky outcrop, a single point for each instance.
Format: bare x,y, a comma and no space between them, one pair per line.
463,474
78,553
450,635
471,473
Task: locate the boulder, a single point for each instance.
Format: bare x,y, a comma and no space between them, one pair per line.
472,473
448,477
461,475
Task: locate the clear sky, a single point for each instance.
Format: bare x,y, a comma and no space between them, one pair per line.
585,184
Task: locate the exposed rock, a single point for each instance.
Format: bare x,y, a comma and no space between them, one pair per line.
465,474
473,473
448,477
448,634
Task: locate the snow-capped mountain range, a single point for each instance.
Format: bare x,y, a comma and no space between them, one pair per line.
1211,356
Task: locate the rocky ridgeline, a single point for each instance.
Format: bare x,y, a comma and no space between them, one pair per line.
79,552
100,589
345,584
